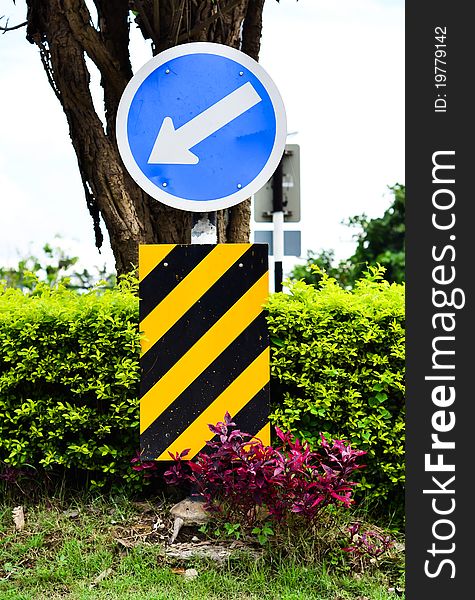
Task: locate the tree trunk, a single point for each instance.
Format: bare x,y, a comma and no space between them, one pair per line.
65,34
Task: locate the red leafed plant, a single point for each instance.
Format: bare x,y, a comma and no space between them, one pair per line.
147,466
238,475
369,543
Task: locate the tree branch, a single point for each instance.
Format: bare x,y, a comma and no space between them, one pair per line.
6,28
156,17
79,20
252,29
189,35
46,61
177,24
154,35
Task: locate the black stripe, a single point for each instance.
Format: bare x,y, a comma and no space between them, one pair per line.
251,418
161,280
205,389
219,298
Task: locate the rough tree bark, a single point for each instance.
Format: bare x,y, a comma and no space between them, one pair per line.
65,34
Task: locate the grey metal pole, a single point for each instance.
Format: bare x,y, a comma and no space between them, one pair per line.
203,229
278,223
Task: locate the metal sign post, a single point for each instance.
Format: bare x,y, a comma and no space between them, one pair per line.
263,198
292,241
278,222
203,230
201,127
279,201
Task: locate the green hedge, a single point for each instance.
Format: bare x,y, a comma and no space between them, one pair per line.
69,378
338,368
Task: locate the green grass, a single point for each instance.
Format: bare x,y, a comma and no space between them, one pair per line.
59,555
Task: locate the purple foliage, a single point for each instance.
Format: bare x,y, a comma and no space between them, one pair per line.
146,466
369,543
239,474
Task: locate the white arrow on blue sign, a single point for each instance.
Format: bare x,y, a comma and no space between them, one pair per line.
201,127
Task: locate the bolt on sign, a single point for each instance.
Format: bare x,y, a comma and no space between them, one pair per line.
205,345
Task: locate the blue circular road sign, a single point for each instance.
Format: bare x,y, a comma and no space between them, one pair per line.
201,127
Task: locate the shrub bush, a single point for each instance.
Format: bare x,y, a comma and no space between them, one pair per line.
337,366
69,377
237,475
69,374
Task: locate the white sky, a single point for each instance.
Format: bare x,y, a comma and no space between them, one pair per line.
339,65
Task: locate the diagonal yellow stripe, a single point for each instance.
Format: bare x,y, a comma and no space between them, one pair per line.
203,353
189,291
150,255
264,434
233,399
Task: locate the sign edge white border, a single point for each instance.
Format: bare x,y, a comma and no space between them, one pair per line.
218,203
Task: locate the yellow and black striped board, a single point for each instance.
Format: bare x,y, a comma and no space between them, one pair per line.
205,345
